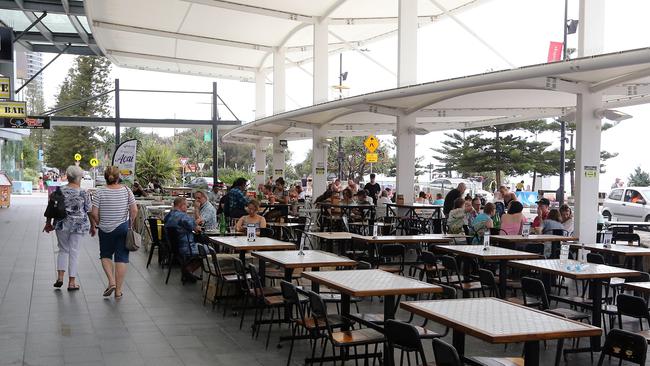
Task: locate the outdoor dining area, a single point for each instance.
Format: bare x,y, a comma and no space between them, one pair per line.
354,283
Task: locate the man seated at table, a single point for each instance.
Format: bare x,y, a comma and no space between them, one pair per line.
253,218
543,208
206,214
439,200
178,220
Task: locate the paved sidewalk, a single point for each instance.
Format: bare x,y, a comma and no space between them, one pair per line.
154,324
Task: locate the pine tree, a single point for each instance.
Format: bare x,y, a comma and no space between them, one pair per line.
639,178
87,77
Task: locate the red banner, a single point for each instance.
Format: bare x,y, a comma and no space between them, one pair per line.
555,51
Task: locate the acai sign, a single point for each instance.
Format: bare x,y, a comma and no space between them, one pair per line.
124,159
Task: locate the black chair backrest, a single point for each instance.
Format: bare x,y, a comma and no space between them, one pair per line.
448,292
174,240
445,354
266,232
449,263
533,287
156,236
392,250
240,271
364,265
256,281
642,277
633,306
488,281
535,248
428,257
626,346
595,258
404,336
289,293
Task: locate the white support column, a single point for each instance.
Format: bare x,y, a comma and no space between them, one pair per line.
260,163
406,75
320,88
588,128
591,29
319,161
279,80
278,159
260,94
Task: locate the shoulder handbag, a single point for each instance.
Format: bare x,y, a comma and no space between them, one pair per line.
56,206
133,239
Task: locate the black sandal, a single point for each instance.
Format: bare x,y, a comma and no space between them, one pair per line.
119,296
73,288
109,291
58,283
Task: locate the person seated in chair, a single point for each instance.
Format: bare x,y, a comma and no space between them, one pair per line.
253,218
177,219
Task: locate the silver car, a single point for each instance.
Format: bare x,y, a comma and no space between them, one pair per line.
628,204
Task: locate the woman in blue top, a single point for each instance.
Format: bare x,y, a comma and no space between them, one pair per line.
483,221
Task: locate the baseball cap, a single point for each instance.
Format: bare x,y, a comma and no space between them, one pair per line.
544,201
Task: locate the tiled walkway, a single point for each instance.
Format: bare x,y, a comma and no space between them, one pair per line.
154,324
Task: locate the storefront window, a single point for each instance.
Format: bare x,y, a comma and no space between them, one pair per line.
10,158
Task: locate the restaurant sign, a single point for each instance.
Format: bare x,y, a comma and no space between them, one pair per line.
13,109
26,123
5,88
124,159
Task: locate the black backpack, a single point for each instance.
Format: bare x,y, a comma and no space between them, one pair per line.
56,206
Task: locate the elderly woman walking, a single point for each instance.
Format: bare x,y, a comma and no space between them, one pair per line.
113,211
72,228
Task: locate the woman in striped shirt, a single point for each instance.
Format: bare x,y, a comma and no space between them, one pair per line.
113,212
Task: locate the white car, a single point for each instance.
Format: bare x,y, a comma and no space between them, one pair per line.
628,204
87,182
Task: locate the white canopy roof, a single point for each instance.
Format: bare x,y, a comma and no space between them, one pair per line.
532,92
234,39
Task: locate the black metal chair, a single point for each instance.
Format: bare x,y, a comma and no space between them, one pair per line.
157,240
625,346
490,287
264,300
452,277
445,354
534,288
428,265
634,307
343,339
391,258
296,303
175,256
405,337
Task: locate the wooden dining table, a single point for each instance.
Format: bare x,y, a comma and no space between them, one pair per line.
595,273
498,321
627,251
371,282
492,253
241,244
637,286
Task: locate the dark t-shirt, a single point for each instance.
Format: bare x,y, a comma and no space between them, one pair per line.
449,200
373,190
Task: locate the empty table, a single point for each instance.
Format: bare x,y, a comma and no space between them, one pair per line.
371,282
503,255
627,251
498,321
518,239
637,286
291,259
242,245
595,273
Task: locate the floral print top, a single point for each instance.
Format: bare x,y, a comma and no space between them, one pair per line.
77,206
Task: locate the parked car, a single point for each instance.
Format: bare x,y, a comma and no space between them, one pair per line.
628,204
203,183
444,185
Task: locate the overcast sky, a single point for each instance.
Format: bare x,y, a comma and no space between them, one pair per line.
519,29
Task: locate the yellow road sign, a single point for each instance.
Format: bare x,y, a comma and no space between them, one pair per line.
77,156
94,162
371,143
372,157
